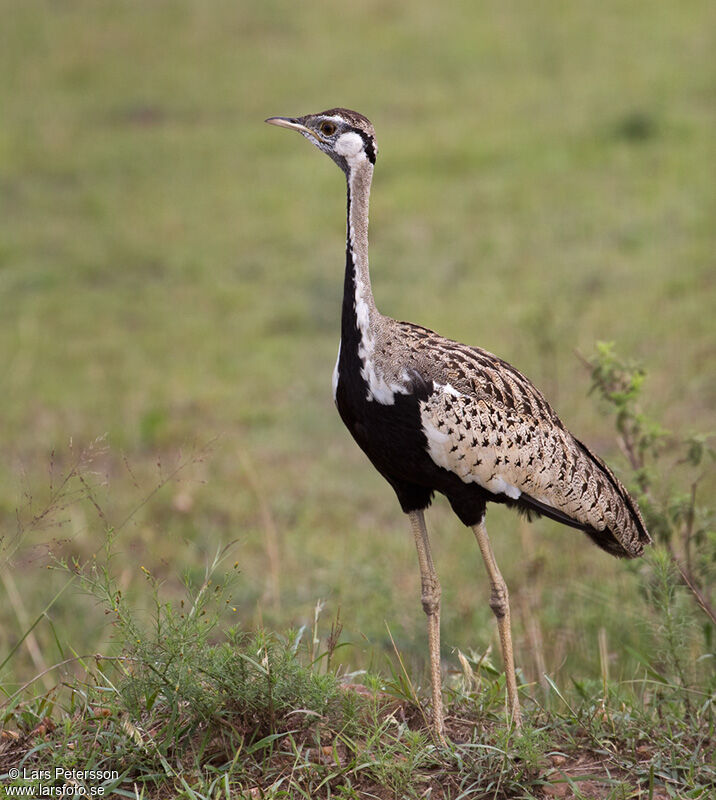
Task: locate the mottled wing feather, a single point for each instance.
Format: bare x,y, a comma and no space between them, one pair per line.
485,422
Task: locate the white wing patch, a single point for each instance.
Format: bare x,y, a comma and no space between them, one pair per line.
459,443
509,453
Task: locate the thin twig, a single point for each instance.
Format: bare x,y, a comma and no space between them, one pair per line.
407,678
271,535
21,613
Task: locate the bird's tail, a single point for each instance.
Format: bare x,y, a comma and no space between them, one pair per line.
627,536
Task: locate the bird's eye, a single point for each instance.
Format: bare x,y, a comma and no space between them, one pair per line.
328,128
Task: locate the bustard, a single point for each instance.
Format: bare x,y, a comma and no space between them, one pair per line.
433,415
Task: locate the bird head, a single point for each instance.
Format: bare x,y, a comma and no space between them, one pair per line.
346,136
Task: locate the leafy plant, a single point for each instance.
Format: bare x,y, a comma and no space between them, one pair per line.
661,461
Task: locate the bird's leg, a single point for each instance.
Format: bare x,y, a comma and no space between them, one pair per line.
500,605
430,596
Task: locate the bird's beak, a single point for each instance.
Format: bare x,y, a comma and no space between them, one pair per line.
294,124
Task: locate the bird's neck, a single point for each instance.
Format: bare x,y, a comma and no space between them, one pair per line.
359,311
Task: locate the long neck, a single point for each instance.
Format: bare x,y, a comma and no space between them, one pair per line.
359,309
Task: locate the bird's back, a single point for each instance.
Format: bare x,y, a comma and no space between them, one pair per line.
484,422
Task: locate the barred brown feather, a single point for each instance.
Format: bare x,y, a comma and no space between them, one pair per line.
487,423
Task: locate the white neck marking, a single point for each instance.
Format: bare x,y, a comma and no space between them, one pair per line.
335,373
361,172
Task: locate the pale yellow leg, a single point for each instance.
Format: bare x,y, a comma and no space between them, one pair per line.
430,596
500,605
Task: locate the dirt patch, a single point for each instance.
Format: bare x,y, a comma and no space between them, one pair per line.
588,775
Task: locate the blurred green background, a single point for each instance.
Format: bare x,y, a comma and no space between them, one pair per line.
171,273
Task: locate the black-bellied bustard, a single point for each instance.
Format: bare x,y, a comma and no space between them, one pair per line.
435,415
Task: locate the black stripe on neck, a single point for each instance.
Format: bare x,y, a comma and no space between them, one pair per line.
349,323
368,145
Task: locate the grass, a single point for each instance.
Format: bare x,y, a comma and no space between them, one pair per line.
170,277
190,710
183,704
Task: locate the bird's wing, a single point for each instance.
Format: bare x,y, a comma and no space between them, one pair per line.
485,421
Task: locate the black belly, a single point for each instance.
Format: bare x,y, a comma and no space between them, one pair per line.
392,438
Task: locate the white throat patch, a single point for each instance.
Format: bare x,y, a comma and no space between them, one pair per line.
350,146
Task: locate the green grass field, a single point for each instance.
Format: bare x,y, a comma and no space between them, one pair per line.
170,282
